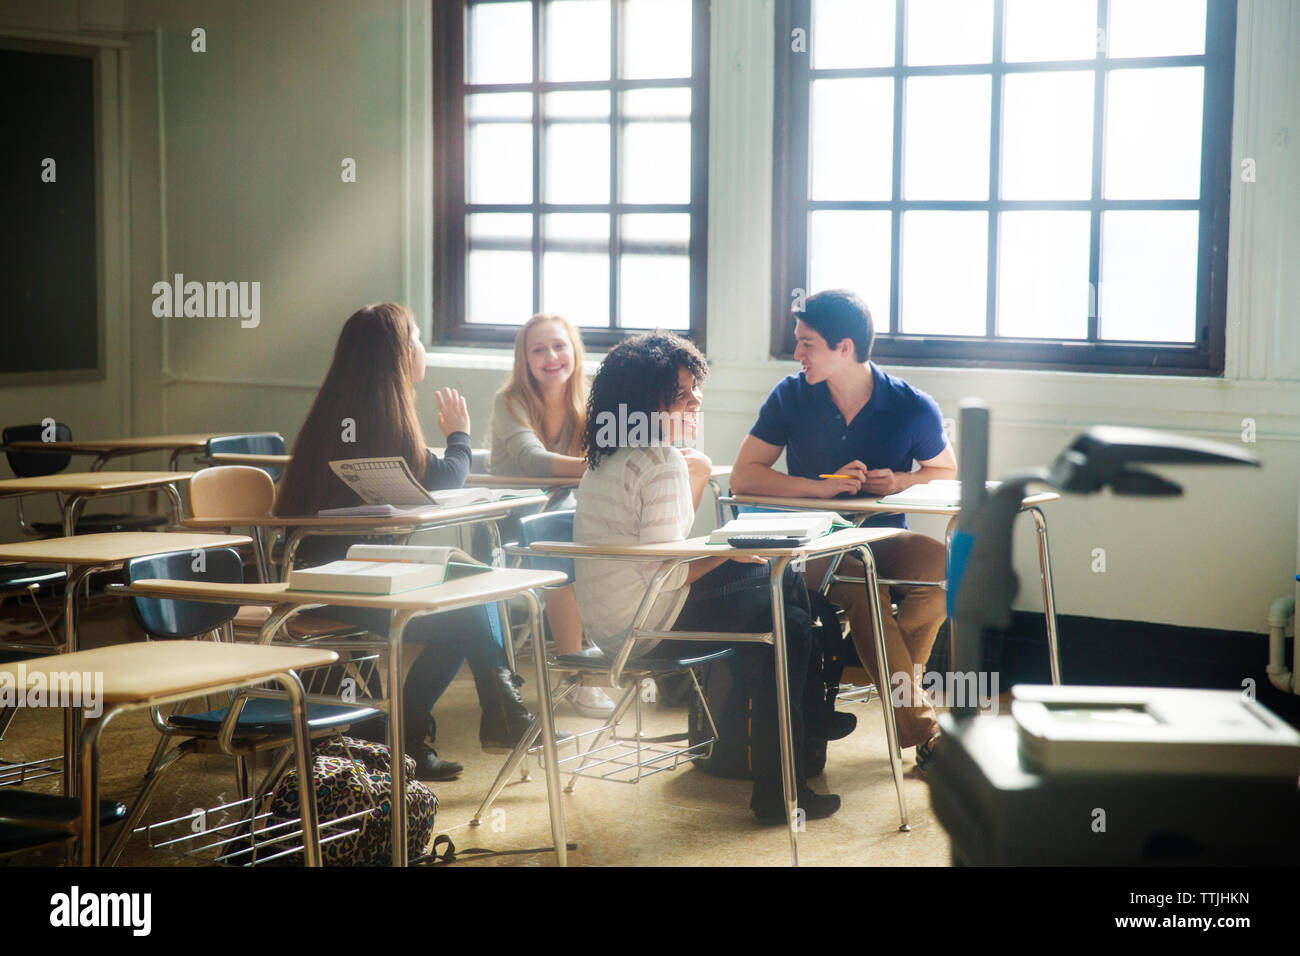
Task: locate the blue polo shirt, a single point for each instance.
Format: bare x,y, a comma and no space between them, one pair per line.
898,426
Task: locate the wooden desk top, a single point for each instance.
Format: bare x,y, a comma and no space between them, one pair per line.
90,482
700,548
870,505
405,522
550,481
492,585
114,547
143,443
140,672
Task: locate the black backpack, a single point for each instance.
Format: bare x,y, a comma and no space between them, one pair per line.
729,686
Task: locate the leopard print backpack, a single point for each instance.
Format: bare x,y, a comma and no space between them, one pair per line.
355,777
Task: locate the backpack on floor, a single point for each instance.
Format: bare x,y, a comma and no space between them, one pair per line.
355,776
729,686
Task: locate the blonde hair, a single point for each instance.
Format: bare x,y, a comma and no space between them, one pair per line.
521,388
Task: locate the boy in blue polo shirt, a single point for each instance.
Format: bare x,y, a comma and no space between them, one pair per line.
843,416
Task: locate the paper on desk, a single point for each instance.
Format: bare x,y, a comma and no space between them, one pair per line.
943,493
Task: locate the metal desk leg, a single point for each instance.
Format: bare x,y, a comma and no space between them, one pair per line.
71,715
395,735
952,624
781,656
302,753
178,506
497,559
1049,601
547,715
886,696
89,760
71,512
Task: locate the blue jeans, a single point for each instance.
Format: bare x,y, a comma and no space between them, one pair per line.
449,639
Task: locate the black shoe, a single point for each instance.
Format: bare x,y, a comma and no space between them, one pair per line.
505,719
768,804
839,725
429,766
925,754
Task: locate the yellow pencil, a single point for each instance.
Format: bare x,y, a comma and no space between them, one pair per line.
835,476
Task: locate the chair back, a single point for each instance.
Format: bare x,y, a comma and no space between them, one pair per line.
548,526
35,464
232,491
266,443
169,618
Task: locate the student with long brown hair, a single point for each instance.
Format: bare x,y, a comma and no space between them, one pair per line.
539,418
366,409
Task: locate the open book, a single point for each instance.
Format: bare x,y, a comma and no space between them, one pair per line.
801,526
944,493
382,569
388,488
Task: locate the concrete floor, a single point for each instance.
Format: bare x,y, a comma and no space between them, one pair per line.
678,818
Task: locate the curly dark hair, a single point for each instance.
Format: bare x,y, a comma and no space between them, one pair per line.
639,374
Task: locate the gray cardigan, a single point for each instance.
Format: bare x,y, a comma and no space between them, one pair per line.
516,448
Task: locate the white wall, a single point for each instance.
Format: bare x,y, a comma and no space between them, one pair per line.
234,174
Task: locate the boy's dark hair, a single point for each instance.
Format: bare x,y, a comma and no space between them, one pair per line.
639,374
838,314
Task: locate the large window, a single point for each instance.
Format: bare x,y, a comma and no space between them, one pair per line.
571,165
1017,183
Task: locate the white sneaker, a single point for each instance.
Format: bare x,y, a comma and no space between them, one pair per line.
592,702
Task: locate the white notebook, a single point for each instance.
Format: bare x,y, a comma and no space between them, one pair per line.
944,493
378,569
388,488
803,525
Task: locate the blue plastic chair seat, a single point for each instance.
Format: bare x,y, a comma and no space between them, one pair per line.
19,577
264,716
102,524
44,806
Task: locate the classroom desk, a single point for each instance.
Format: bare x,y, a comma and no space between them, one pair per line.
674,554
81,486
554,485
492,586
88,554
142,675
256,461
110,448
860,509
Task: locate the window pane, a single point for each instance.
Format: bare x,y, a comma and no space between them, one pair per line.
575,268
949,31
1153,134
657,146
1155,28
849,33
655,292
654,276
1058,30
500,43
576,40
500,268
1043,274
500,161
1047,136
852,127
946,143
656,39
1148,275
576,166
945,273
851,249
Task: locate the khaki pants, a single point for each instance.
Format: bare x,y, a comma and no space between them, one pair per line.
910,635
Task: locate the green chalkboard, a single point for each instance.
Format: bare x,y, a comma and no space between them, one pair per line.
49,266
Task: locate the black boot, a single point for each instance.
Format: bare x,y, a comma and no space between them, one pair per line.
768,802
419,747
505,718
